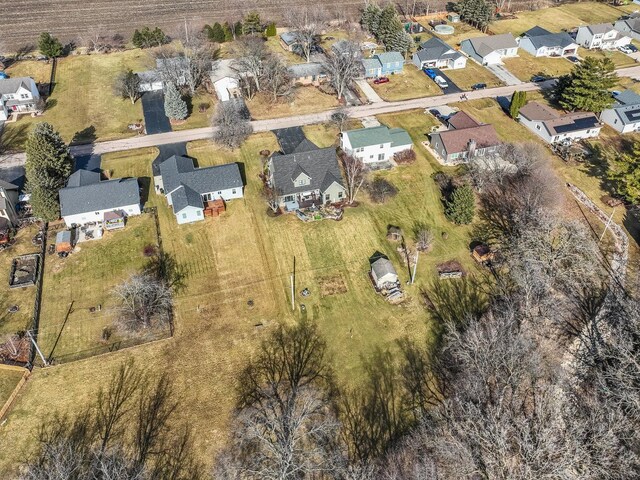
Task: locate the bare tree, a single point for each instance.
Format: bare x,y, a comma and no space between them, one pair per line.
340,118
343,68
188,67
95,38
144,302
276,80
128,86
272,197
355,173
251,55
423,238
231,124
308,23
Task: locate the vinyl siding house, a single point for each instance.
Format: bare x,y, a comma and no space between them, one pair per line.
540,42
307,179
376,144
554,127
188,189
8,202
624,115
18,95
466,138
225,81
629,26
88,199
490,50
434,53
383,64
602,36
308,74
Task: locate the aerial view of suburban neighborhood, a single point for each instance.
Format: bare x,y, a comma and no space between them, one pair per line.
348,239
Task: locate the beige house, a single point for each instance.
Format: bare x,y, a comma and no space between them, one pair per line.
308,74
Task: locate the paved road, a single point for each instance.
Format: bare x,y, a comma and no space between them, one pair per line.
452,88
361,111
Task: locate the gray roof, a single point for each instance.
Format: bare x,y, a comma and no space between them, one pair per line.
223,69
483,46
633,23
628,97
302,70
371,63
600,28
12,85
320,165
149,76
289,38
389,57
435,49
7,186
365,137
543,38
107,195
182,179
628,114
81,177
382,267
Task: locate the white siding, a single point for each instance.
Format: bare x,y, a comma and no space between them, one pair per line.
189,215
97,217
223,86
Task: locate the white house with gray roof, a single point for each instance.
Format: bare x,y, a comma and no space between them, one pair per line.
629,26
188,188
434,53
601,36
375,144
624,115
88,199
18,95
540,42
490,50
306,179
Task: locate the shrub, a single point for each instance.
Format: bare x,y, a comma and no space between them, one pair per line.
203,107
380,190
424,239
405,157
460,209
149,250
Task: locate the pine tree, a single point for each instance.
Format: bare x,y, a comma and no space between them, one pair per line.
48,165
589,86
137,39
252,24
215,33
518,100
228,32
478,13
460,209
237,29
624,172
174,106
49,46
389,24
271,30
399,41
370,19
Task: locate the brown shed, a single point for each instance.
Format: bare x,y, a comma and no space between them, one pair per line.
482,253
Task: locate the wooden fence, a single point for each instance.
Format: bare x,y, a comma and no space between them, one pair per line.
16,390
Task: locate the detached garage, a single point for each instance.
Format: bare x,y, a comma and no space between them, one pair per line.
150,81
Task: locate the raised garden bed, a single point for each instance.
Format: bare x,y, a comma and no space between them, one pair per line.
24,271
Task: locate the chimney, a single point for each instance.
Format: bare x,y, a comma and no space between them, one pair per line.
471,147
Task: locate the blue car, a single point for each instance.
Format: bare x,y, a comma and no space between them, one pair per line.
430,73
3,76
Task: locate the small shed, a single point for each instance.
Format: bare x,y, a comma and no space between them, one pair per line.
114,220
453,17
214,208
383,273
482,253
64,241
394,233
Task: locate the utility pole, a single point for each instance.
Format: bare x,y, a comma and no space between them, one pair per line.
415,267
186,30
33,340
293,285
607,225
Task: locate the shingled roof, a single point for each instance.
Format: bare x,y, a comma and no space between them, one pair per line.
321,166
541,37
95,196
555,123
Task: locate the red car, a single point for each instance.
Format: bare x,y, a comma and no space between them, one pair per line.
380,80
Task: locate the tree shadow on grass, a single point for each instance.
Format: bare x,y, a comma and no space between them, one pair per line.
13,137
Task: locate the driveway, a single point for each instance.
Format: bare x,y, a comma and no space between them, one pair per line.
368,90
503,74
155,121
452,88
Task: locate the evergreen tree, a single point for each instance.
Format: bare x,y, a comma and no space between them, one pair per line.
147,38
48,165
137,39
215,33
252,24
237,29
399,41
49,46
460,209
228,32
389,24
174,106
589,85
624,172
370,19
518,100
271,30
478,13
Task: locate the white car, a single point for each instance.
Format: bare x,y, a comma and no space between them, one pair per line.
625,49
442,83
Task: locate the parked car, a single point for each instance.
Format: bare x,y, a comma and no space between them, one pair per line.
3,76
625,49
380,80
442,83
430,73
633,48
538,78
573,59
478,86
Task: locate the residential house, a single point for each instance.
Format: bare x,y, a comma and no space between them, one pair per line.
224,79
434,53
306,179
465,138
490,50
308,73
602,36
150,81
624,115
383,64
8,202
88,199
18,95
540,42
342,47
629,26
554,127
188,189
289,41
375,145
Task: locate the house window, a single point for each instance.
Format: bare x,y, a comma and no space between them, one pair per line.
327,197
538,127
381,157
382,146
184,216
24,95
233,191
219,193
340,194
370,157
288,198
615,121
97,213
199,213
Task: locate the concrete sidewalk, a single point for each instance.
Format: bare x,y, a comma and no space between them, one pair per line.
503,74
368,90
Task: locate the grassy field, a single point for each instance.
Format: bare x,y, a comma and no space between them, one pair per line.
23,297
412,83
557,18
525,65
462,32
305,100
245,255
9,378
87,278
473,73
618,58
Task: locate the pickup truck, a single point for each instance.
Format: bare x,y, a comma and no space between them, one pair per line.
442,83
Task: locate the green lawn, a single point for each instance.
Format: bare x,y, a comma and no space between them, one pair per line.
9,378
473,73
525,65
412,83
305,100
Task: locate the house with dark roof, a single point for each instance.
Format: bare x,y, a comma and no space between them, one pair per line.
624,114
434,53
8,201
540,42
375,145
344,47
89,199
601,36
18,96
311,73
383,273
465,138
188,189
306,179
554,127
490,50
629,26
289,41
383,64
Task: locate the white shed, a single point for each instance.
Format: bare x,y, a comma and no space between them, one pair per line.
383,273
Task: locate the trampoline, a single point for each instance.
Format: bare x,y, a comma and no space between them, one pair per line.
444,29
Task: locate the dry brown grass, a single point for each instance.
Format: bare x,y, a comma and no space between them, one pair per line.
412,83
305,100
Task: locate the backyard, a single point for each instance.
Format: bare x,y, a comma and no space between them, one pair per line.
9,378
